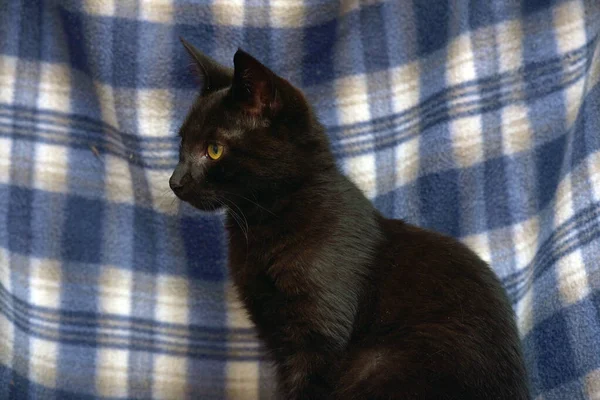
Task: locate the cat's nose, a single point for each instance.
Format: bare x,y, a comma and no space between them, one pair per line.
180,178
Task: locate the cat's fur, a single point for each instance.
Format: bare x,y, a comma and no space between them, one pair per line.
350,304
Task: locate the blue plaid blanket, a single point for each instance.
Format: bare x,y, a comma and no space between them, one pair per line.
478,119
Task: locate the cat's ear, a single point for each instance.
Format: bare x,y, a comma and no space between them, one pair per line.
254,85
212,75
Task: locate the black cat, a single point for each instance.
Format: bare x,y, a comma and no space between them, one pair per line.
350,304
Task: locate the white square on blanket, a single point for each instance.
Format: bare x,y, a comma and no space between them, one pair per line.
466,131
118,185
405,91
348,6
509,42
237,316
112,372
593,165
592,383
460,65
361,170
563,198
516,128
114,291
100,7
467,141
157,10
45,283
524,313
154,112
8,342
243,378
569,25
43,361
163,198
480,244
8,71
228,12
6,327
51,168
170,377
54,88
407,161
526,241
5,160
106,101
172,293
572,278
353,99
287,14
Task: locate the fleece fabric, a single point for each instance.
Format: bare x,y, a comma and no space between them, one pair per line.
479,119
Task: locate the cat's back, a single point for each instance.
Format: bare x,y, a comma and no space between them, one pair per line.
440,277
442,322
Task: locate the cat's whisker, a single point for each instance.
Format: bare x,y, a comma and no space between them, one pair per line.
166,198
236,218
251,201
240,222
235,215
240,214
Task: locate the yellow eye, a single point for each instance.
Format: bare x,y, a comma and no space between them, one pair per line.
215,151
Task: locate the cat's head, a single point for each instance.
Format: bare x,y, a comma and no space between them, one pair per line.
249,135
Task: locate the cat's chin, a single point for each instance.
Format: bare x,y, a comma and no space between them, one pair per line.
207,203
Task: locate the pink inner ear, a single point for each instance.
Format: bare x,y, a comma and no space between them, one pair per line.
255,83
259,97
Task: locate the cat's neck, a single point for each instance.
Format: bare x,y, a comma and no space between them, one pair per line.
291,206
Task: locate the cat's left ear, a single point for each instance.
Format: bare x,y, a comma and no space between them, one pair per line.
254,85
212,75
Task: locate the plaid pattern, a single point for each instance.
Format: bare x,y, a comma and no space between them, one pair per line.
477,119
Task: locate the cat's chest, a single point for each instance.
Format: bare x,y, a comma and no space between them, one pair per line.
266,304
267,260
271,284
257,278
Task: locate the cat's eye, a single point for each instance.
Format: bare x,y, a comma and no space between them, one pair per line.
214,151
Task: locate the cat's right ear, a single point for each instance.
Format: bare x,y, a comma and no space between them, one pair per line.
212,75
